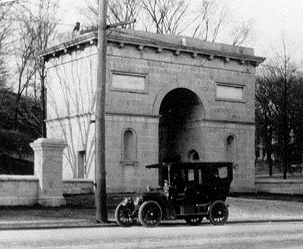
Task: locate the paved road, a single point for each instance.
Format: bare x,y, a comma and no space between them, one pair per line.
256,235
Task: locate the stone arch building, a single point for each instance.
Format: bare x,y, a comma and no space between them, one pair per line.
167,98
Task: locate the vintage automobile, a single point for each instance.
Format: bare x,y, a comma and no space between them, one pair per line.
190,191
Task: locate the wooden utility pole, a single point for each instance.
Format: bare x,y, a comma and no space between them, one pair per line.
285,126
43,98
100,171
285,121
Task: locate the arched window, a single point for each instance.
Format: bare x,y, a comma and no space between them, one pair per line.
129,146
193,156
231,149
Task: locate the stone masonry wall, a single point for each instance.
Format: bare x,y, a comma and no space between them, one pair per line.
163,71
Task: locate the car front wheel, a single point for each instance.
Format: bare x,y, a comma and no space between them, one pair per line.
123,216
150,214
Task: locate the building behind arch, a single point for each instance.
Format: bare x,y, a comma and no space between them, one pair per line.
164,101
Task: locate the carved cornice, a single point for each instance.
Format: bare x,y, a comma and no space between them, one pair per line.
159,43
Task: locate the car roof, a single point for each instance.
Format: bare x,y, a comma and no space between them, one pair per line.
190,165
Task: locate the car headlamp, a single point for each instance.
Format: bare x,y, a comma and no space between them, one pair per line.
138,200
127,200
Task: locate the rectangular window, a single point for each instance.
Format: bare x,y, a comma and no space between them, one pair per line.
129,82
223,172
81,163
228,92
191,175
200,176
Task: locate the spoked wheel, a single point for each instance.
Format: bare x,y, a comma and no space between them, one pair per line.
150,214
194,221
123,216
218,213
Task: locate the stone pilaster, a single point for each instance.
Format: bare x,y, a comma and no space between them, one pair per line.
48,168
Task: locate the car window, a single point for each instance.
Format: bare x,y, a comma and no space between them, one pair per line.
200,176
191,175
223,172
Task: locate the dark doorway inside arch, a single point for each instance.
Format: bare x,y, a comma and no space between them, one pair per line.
181,113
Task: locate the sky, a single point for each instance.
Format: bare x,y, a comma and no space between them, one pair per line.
274,20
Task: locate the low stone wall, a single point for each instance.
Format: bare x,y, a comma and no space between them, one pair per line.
78,186
279,186
18,190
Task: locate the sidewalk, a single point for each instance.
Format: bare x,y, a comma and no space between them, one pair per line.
80,212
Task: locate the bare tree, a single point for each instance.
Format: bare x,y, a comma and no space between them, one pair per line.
5,29
36,25
279,109
46,25
5,32
124,11
118,11
211,20
24,52
3,74
215,23
208,21
165,16
160,16
241,32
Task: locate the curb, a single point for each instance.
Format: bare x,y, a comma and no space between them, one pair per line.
50,224
63,224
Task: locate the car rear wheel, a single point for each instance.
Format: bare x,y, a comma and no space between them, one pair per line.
123,216
194,221
218,213
150,214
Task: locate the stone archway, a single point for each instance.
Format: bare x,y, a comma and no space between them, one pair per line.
181,113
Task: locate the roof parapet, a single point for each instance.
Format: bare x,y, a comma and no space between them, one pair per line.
176,44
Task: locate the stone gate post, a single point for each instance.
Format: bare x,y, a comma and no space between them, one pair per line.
48,168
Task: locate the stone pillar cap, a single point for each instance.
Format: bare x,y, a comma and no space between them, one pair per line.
49,142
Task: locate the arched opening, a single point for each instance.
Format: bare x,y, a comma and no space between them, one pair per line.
181,113
193,156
